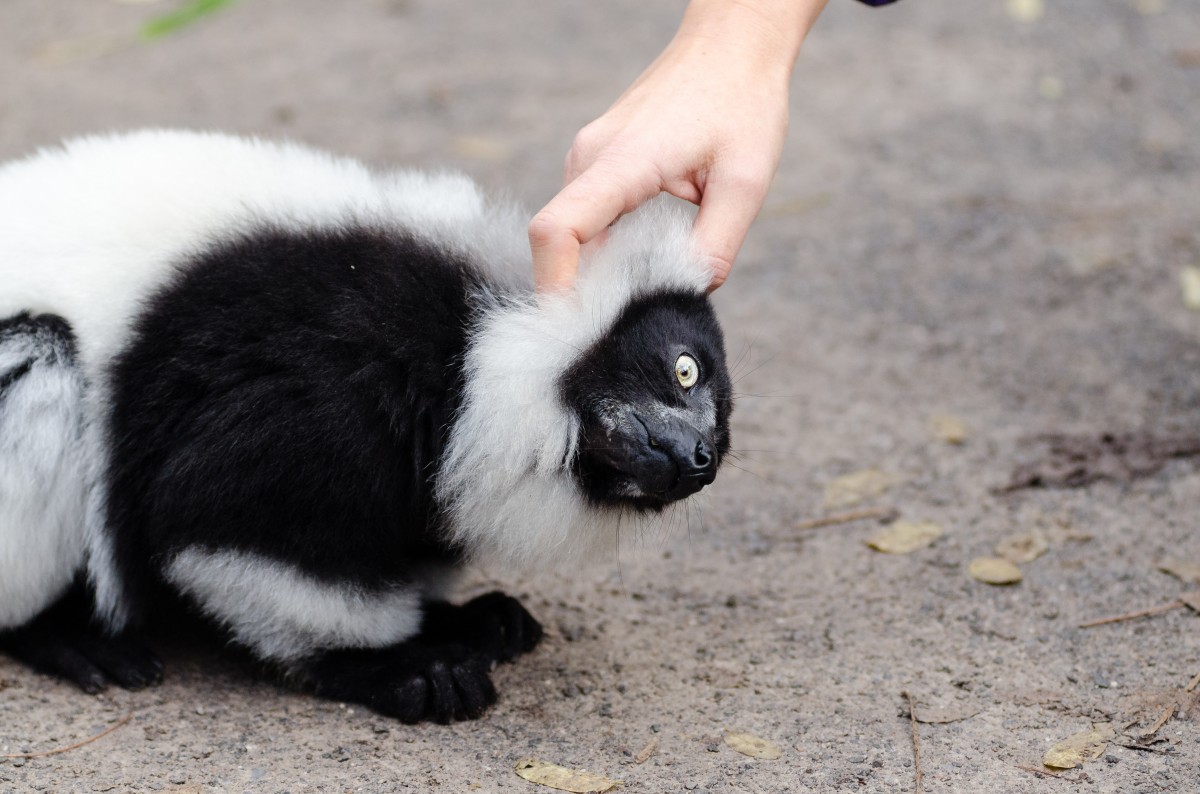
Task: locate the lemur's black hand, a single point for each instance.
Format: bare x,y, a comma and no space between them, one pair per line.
494,625
411,681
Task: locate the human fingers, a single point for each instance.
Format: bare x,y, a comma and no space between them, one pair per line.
580,211
728,208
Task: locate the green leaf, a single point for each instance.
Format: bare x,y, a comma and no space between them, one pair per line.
180,18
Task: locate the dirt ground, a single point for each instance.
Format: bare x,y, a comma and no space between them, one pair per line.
977,216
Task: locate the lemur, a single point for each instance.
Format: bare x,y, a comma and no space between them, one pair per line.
296,396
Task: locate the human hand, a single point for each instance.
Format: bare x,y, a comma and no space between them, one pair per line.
705,122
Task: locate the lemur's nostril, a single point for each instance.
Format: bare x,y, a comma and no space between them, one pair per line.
702,458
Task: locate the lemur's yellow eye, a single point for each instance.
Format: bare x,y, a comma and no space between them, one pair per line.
686,371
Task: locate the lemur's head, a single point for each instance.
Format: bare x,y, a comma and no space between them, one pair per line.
587,413
652,398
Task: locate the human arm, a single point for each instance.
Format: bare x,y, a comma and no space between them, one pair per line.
705,122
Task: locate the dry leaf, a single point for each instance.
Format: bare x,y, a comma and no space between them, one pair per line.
1150,7
949,428
563,779
1189,279
904,537
1181,569
748,744
1026,547
1191,600
851,489
478,147
994,570
1084,746
1025,10
1050,87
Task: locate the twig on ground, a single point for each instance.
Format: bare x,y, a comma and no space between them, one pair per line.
846,518
916,740
1141,613
1047,773
1195,682
1167,713
647,751
77,745
1143,748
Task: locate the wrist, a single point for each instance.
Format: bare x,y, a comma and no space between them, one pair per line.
768,32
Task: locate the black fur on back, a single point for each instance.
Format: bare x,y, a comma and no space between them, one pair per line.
290,395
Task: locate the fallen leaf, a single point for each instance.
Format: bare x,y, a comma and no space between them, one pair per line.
563,779
1026,547
949,428
1150,7
1191,600
1025,10
1188,59
1084,746
994,570
1050,87
1181,569
859,486
905,537
1189,279
748,744
478,147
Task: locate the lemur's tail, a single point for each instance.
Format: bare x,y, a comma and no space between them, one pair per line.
42,468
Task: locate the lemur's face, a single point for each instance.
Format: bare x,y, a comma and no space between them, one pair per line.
653,400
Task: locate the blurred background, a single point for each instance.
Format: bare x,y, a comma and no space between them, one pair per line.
985,210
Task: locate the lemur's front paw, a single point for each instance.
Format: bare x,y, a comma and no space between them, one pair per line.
411,681
454,686
495,625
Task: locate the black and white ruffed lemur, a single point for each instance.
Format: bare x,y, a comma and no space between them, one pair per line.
295,396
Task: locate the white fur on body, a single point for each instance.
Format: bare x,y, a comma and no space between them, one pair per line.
94,228
283,614
41,479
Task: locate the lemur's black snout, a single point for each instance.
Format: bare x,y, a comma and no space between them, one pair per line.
684,462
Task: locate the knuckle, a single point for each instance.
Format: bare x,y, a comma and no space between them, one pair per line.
586,140
543,227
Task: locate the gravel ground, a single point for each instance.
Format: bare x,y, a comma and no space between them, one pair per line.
977,216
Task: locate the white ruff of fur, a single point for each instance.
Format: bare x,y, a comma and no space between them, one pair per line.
506,478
